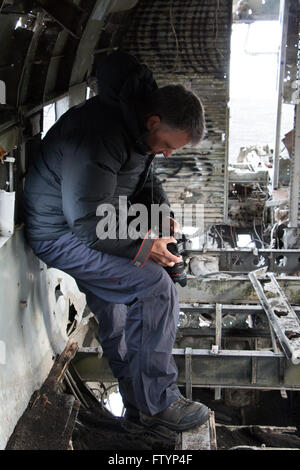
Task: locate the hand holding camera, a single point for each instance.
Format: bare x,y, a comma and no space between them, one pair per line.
177,272
167,251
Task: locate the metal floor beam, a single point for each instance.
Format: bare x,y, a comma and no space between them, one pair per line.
201,438
282,317
263,370
245,260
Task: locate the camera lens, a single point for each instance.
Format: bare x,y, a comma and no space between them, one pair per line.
177,272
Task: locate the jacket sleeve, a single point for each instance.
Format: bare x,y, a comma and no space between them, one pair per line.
89,180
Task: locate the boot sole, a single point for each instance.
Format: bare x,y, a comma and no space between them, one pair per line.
158,430
174,427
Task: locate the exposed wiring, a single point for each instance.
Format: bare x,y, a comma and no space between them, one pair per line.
272,240
220,236
262,244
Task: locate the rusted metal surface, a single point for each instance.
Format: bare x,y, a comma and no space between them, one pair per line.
181,37
257,437
282,317
60,366
295,173
232,289
48,422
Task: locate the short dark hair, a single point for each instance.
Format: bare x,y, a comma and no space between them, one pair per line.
179,108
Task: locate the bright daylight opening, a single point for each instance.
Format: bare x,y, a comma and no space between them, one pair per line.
254,68
115,404
245,241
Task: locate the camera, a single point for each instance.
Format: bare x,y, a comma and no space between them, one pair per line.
177,272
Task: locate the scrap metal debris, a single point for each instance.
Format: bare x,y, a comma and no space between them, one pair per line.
48,421
55,419
281,316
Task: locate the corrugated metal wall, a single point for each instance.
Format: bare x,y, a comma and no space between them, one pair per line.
188,42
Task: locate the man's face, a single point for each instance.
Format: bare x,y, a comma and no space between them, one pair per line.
163,139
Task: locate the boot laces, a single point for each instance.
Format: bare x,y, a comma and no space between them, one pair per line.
181,402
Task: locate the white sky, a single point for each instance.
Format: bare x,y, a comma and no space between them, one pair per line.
253,65
253,86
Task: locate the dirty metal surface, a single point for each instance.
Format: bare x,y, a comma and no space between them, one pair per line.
263,370
56,419
28,342
282,317
227,289
200,438
245,260
33,326
48,422
257,438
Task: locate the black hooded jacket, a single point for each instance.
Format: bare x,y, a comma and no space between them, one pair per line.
93,154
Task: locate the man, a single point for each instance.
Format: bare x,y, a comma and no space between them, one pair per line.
95,153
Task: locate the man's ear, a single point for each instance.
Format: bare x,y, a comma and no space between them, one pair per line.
153,122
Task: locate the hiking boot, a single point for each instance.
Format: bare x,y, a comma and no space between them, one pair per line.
181,415
132,414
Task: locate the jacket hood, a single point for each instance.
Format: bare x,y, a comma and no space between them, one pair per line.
123,82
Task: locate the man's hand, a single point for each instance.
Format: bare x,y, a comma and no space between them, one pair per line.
161,255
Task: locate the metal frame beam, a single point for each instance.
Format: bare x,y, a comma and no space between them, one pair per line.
246,369
239,369
284,12
245,260
290,347
294,215
228,308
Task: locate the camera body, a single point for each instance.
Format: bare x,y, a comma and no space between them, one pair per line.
177,272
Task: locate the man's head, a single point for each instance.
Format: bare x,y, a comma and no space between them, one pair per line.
174,118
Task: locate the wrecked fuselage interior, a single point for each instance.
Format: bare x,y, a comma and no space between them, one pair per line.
238,342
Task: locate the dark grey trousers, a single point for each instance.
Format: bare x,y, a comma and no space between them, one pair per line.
137,309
